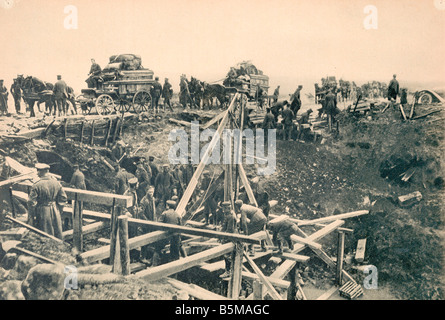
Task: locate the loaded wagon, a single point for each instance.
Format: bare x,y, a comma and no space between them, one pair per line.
119,90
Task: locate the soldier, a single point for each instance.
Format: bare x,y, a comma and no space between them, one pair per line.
276,94
393,89
164,185
94,75
277,107
3,99
229,225
121,183
304,120
179,180
60,95
148,205
210,206
118,150
331,107
282,230
78,178
403,97
46,201
154,169
172,217
296,101
252,220
143,177
16,92
184,92
167,94
268,122
156,91
288,123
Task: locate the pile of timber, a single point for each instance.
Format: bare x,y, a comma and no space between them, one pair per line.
351,290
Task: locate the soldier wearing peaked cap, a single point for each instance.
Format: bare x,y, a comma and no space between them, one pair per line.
46,201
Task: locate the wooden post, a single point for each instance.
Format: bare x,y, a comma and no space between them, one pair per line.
113,230
257,290
81,131
115,129
107,136
411,113
65,125
92,134
77,225
402,111
121,126
340,256
236,271
124,246
11,198
292,291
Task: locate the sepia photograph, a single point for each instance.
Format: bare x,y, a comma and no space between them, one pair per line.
222,155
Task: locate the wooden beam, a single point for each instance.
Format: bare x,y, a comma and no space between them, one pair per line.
136,242
124,246
272,292
35,230
91,228
213,121
309,243
333,218
360,252
246,185
165,270
88,196
279,283
236,272
293,257
77,225
195,291
340,256
194,180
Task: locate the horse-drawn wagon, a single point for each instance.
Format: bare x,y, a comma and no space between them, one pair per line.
121,88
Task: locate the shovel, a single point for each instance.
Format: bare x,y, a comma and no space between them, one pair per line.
12,245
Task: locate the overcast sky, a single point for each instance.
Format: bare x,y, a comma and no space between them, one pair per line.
291,41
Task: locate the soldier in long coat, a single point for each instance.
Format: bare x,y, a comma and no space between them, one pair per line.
46,201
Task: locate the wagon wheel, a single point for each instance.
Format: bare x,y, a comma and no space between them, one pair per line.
123,105
142,101
86,105
105,104
425,98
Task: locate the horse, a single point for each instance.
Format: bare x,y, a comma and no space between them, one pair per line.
44,91
212,91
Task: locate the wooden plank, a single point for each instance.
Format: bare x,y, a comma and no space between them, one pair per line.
340,257
165,270
124,246
327,294
246,185
332,218
410,199
136,242
360,252
279,283
35,230
194,180
213,121
195,290
88,196
309,243
293,257
180,122
91,228
272,292
236,272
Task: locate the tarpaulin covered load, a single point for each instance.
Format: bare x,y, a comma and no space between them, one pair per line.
126,61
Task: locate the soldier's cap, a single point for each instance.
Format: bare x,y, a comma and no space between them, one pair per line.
310,111
150,188
156,78
151,158
171,202
133,181
166,79
42,166
174,198
239,202
225,204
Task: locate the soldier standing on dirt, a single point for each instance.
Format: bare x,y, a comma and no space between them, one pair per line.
268,122
167,94
331,107
296,101
3,99
288,117
172,217
60,95
16,92
393,88
229,225
164,185
184,92
276,94
252,220
156,91
46,201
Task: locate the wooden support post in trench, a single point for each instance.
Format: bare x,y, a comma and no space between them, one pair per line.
236,272
81,131
124,246
77,225
113,230
11,199
107,136
92,133
340,256
116,128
